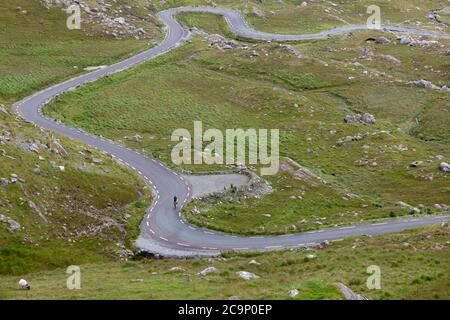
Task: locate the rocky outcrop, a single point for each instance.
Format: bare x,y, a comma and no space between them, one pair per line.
361,118
428,85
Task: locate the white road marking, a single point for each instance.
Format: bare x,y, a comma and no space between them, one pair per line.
379,224
349,227
162,238
183,244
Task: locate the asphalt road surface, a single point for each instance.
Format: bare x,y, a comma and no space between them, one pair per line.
163,229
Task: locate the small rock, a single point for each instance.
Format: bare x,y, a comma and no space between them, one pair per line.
207,271
254,262
382,40
246,275
416,164
293,293
444,167
97,160
176,269
23,284
390,58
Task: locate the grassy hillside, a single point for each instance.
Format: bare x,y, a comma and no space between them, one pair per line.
73,204
307,98
414,265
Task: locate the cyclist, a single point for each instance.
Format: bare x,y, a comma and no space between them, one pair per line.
175,202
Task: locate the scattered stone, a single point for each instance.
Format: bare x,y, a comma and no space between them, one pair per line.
4,182
136,280
14,226
293,51
120,20
246,275
402,204
390,58
176,269
310,256
97,160
59,148
195,210
208,271
221,43
382,40
257,12
444,167
437,246
352,196
350,139
367,54
33,207
254,262
293,293
3,109
234,298
405,40
416,164
23,284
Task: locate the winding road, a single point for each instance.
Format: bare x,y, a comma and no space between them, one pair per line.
163,229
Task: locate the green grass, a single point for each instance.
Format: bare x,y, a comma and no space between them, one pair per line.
210,23
36,49
410,269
